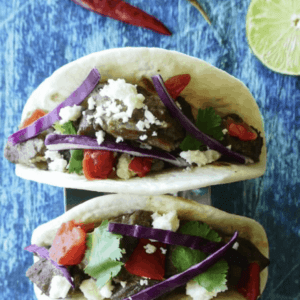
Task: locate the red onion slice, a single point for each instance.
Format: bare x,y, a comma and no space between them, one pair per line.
63,142
49,119
182,278
44,253
188,125
179,239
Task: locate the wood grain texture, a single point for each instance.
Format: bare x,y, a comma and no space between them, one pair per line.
37,37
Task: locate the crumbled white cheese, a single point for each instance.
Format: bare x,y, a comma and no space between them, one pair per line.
123,171
123,283
91,103
197,292
89,118
149,116
229,147
125,92
200,158
154,133
235,245
145,146
100,136
106,291
143,137
119,139
57,162
140,125
150,249
70,113
178,105
144,282
59,287
224,131
163,250
90,290
167,221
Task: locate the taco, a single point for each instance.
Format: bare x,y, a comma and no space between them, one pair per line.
129,129
148,250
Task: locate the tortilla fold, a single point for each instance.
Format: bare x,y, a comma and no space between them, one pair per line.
209,87
109,206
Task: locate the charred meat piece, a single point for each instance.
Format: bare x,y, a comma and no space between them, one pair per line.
251,149
29,153
165,134
41,273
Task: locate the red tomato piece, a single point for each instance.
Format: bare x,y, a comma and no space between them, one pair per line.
141,165
69,245
147,265
176,84
86,227
38,113
249,282
98,164
241,132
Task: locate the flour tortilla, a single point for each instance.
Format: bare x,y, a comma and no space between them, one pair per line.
108,206
207,83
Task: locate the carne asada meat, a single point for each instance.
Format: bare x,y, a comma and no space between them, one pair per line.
251,149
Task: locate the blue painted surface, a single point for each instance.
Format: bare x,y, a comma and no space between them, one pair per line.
37,37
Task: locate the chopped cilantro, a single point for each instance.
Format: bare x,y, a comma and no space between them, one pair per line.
66,128
103,254
183,258
75,165
209,123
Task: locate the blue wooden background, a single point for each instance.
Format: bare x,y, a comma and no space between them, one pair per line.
39,36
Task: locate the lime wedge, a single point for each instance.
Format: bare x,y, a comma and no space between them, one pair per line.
273,33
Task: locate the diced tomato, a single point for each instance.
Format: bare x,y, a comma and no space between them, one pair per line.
141,165
240,131
249,283
147,265
69,245
86,227
98,164
38,113
176,84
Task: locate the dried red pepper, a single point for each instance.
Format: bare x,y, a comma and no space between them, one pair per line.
122,11
141,165
149,265
249,282
176,84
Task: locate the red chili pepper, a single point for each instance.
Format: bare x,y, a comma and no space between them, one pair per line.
141,165
122,11
249,282
176,84
69,245
38,113
142,264
98,164
240,131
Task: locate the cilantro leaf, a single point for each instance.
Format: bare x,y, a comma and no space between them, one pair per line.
183,258
209,123
103,254
75,164
66,128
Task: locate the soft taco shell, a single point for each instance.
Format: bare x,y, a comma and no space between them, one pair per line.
230,96
108,206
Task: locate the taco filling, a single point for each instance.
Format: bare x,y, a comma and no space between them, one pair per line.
120,130
145,255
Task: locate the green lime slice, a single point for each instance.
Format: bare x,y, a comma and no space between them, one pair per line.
273,33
